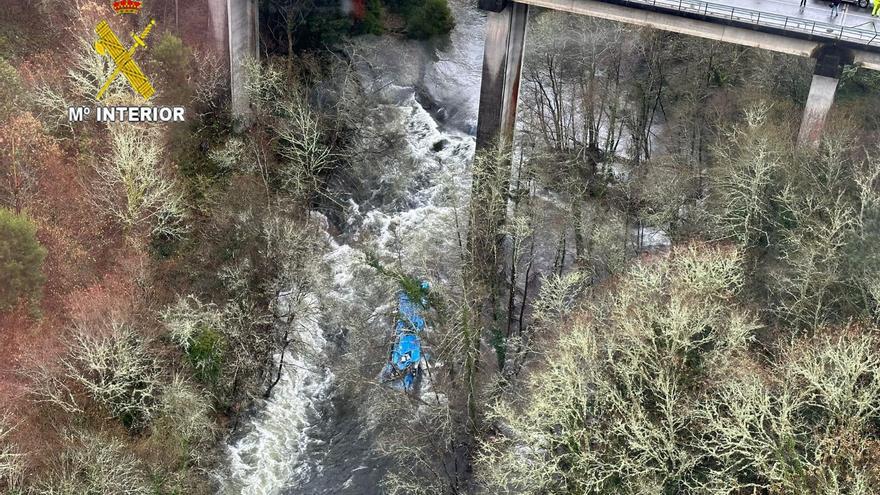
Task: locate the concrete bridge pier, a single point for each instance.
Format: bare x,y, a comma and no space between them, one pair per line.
502,68
826,74
236,31
244,32
499,92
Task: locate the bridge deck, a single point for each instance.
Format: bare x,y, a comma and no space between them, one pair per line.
853,26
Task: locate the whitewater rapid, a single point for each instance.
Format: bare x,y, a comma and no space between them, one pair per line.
304,440
281,450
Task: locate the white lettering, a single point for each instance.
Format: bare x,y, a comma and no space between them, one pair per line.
128,114
77,114
106,114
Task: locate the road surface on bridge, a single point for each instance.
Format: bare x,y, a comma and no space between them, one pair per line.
851,15
853,25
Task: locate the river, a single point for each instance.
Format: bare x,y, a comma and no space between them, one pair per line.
308,437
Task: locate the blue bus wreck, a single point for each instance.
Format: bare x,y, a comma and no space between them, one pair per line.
406,359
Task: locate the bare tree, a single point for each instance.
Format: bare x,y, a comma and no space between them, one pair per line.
12,460
575,77
745,183
132,187
94,464
115,367
301,146
804,426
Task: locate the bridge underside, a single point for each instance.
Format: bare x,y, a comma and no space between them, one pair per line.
505,39
702,28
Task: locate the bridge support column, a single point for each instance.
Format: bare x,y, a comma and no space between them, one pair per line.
219,25
826,74
243,19
502,67
499,92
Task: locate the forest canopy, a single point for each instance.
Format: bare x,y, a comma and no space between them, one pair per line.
21,259
295,26
653,386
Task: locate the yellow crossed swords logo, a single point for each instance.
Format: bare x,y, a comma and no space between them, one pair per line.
108,43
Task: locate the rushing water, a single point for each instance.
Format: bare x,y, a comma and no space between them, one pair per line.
307,439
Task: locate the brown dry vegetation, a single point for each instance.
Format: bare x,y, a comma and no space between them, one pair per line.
94,269
167,246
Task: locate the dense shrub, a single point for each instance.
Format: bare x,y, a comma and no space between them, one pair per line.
432,18
221,342
21,259
615,403
10,88
652,388
402,5
181,437
175,61
195,327
172,54
809,216
373,21
206,353
318,24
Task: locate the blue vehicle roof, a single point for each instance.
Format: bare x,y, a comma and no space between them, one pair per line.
410,316
407,351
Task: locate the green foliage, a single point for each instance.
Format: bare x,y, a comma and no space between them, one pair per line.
424,18
173,56
176,66
10,88
374,19
326,30
402,5
499,344
318,24
21,259
187,146
410,285
856,82
222,342
431,18
205,352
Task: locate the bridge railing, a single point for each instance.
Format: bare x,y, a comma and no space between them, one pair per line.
855,34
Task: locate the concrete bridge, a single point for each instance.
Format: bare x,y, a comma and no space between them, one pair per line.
779,25
236,31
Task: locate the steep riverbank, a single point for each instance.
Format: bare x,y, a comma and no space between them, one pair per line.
307,438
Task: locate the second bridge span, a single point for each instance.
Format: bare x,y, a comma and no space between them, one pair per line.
850,36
